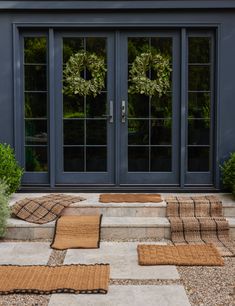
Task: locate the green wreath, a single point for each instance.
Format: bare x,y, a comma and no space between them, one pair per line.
141,84
74,83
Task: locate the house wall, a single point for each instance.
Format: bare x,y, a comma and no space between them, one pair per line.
223,19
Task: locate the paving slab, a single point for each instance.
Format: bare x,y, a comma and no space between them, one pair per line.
166,295
24,253
122,256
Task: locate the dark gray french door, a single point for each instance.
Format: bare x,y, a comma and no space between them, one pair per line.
149,125
117,136
84,124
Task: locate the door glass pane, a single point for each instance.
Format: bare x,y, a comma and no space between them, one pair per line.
149,117
84,121
35,104
199,103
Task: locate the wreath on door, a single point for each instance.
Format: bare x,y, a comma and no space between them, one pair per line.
141,84
74,83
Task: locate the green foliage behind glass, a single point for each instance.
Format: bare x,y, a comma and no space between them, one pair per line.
10,171
228,173
4,208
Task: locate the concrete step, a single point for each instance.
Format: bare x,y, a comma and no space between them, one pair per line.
115,228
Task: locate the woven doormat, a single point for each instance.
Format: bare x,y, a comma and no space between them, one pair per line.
129,198
54,279
197,220
77,232
43,209
180,255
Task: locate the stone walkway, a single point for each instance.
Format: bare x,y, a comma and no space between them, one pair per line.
123,259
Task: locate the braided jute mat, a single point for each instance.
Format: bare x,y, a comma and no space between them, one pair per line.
54,279
43,209
197,220
180,255
77,232
130,198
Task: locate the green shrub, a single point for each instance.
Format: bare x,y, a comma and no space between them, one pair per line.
4,209
228,173
10,171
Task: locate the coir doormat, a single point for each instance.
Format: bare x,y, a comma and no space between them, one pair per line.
54,279
77,232
129,198
180,255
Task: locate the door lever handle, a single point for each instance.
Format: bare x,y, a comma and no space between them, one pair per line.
123,111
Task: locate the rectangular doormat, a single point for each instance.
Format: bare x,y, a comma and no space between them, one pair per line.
129,198
197,220
54,279
77,232
180,255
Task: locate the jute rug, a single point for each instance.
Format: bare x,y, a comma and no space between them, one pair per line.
43,209
77,232
129,198
196,220
54,279
180,255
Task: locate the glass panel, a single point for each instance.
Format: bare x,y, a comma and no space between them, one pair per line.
199,78
35,105
137,45
161,132
96,132
198,159
35,78
36,159
163,44
160,159
161,107
96,107
88,132
73,106
74,159
199,49
138,106
199,105
138,159
35,50
74,132
36,132
138,132
198,132
96,159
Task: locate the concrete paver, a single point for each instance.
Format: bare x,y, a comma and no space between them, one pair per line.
122,257
166,295
24,253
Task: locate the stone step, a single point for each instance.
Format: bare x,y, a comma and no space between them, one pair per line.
113,228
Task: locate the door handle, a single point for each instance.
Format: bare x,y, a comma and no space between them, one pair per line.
110,115
123,111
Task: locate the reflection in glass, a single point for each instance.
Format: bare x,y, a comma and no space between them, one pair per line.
73,159
35,78
199,78
138,159
96,159
35,50
198,159
138,106
96,107
138,132
161,159
199,49
198,132
36,132
73,106
161,107
73,132
199,105
36,158
96,132
161,132
35,105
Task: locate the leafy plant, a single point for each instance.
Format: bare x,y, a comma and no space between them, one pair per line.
10,171
4,208
228,173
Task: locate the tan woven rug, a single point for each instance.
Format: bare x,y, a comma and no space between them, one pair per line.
129,198
54,279
180,255
43,209
196,220
77,232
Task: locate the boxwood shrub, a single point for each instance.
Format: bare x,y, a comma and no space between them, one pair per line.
228,173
